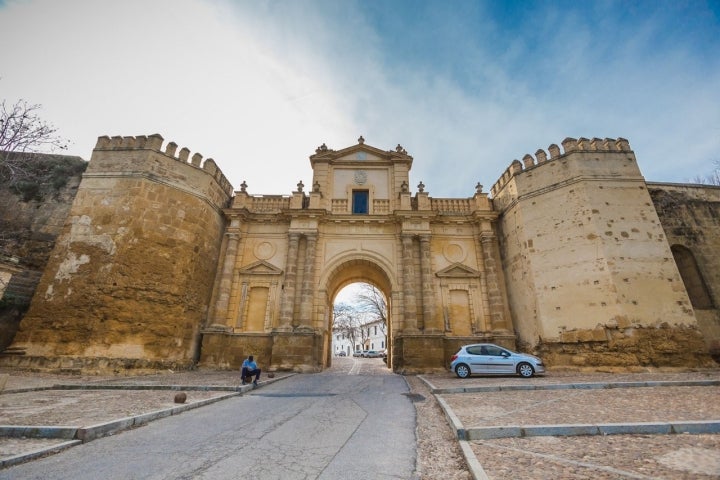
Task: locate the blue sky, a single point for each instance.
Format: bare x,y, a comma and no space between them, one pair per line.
464,86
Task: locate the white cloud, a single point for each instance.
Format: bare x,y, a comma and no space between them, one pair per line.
259,85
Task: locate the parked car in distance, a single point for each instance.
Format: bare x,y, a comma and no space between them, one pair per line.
357,353
373,354
341,353
363,353
488,358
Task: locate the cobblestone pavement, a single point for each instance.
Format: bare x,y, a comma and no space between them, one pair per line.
674,456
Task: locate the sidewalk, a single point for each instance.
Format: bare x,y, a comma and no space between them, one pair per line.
590,425
44,413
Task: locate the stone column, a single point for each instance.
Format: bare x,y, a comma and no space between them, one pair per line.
428,295
308,279
287,303
495,301
222,313
409,299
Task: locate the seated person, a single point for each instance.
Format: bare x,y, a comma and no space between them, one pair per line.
250,368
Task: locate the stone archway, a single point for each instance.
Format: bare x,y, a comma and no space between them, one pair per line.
344,273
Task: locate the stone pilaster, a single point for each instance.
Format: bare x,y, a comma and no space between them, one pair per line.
222,312
308,282
494,294
409,296
428,295
287,303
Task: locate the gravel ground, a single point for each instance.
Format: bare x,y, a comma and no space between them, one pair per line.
673,457
618,405
439,454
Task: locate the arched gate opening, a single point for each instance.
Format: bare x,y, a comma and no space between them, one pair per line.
357,270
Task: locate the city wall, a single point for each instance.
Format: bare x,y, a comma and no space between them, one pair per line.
590,272
129,280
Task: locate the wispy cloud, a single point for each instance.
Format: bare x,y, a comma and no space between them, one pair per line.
465,87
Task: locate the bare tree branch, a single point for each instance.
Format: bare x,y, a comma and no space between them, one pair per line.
712,179
372,302
22,131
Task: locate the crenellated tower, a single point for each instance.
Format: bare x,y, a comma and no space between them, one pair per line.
129,281
587,262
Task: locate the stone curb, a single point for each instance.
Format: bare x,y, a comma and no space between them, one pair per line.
573,386
644,428
32,431
86,434
465,435
476,470
24,457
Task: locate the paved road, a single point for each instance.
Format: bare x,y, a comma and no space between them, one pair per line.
352,421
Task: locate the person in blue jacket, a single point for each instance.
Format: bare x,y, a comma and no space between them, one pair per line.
250,368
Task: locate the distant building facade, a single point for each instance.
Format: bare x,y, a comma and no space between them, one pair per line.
368,336
571,255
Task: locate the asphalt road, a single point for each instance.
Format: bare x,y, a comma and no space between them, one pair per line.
343,423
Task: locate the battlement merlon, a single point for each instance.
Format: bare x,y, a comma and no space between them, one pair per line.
154,143
569,146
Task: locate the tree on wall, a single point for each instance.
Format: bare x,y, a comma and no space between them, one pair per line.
23,132
712,179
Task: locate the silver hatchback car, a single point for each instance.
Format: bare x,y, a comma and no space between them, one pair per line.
488,358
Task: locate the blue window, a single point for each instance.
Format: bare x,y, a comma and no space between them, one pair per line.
360,201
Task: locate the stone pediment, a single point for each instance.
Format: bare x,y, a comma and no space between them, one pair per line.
457,270
360,153
260,268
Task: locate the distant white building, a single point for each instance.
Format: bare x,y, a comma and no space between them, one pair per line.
369,336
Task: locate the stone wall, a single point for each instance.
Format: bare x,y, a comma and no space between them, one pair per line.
591,276
130,278
690,216
32,216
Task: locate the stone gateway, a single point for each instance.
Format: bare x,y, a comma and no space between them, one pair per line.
571,255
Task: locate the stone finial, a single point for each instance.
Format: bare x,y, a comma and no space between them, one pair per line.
478,188
404,187
421,187
300,186
361,140
316,187
322,148
243,187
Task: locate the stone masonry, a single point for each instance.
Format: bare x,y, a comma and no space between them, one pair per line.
571,255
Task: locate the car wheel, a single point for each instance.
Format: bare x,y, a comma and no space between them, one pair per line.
462,371
525,370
